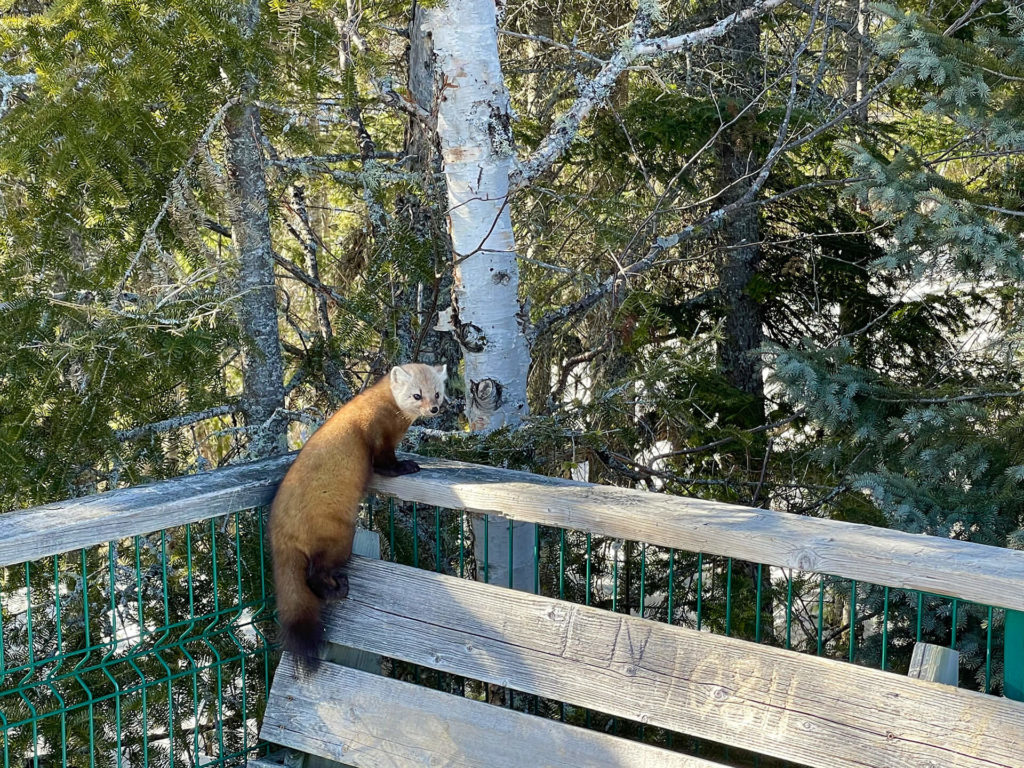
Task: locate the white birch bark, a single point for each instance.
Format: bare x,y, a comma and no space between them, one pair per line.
476,148
485,315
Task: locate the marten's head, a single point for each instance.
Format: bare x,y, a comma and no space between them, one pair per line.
418,389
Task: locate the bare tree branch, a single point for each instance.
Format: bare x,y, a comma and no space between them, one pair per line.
595,92
168,425
712,221
303,277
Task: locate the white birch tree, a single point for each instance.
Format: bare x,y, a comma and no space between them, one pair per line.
473,126
481,170
485,316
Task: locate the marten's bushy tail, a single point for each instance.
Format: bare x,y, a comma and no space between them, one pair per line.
298,608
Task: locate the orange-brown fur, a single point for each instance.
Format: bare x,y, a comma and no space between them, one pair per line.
313,515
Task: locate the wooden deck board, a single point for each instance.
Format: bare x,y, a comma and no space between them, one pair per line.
369,721
814,711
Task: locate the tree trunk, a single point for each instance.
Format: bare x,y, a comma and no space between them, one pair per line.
262,368
476,148
739,351
738,259
485,315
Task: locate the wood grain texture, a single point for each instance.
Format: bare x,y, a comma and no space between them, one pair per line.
365,544
936,663
988,575
369,721
817,712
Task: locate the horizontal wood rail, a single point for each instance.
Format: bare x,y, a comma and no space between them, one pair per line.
30,534
987,575
814,711
975,572
368,721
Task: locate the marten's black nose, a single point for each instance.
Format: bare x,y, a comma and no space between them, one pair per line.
433,409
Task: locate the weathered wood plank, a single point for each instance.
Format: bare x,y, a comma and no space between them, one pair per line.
30,534
936,663
365,544
369,721
988,575
814,711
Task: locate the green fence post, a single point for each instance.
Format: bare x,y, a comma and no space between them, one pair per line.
1013,650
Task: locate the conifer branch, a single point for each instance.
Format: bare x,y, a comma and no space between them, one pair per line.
149,238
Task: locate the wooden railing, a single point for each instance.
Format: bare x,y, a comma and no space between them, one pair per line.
960,570
957,569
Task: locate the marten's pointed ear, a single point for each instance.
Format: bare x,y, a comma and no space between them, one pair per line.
442,371
399,375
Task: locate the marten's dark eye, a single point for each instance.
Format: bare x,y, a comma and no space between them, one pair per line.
417,396
437,395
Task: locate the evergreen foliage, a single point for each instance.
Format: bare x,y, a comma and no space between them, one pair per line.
888,277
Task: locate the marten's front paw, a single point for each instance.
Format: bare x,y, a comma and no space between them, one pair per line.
404,467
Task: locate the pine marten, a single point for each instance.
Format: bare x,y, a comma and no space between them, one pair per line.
313,515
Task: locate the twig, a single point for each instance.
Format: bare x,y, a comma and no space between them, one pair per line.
956,399
176,422
303,277
554,44
594,92
8,84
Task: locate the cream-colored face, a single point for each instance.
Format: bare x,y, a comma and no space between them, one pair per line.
419,389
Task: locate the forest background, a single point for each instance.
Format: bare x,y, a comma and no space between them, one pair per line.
759,251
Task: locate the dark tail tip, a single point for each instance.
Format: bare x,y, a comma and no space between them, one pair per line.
304,638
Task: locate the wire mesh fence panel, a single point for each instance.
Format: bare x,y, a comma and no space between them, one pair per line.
153,650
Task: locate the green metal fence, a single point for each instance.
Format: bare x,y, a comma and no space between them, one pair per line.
148,651
157,650
815,613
